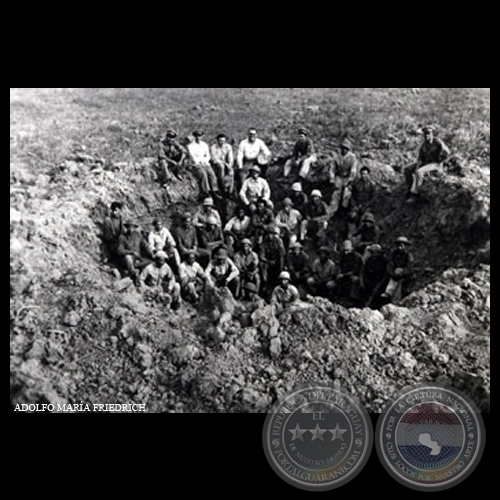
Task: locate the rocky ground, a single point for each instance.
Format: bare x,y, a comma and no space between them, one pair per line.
80,334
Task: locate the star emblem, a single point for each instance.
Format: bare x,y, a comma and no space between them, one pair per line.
297,433
337,433
317,433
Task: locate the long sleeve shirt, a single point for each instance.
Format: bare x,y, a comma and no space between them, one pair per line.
285,297
216,272
253,189
344,166
351,264
186,238
317,211
189,272
111,231
223,155
399,259
201,216
209,239
159,240
363,192
154,276
248,264
238,226
130,244
434,152
303,149
323,271
273,251
199,153
298,265
369,233
172,151
289,221
251,150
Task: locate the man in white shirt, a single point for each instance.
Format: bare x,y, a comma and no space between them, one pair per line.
199,152
192,278
161,239
255,187
252,151
222,158
222,272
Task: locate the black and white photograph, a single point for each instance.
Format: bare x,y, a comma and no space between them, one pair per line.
209,250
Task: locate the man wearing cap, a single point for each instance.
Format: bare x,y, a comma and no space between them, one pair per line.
211,238
160,239
129,249
192,278
299,198
247,262
222,272
199,152
113,228
237,229
204,212
368,233
303,157
186,236
159,277
252,151
432,154
374,273
298,265
284,295
222,158
171,157
289,220
343,171
272,255
261,218
322,282
349,272
316,217
363,192
255,187
399,269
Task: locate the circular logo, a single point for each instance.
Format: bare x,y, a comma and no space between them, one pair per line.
317,438
430,437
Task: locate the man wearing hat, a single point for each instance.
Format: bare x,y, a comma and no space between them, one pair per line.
211,238
204,212
237,229
255,187
186,236
316,218
432,154
368,233
222,158
171,157
129,249
284,295
374,274
199,153
251,299
299,265
160,239
399,270
343,171
252,151
299,198
322,281
349,272
261,218
159,277
289,220
247,262
222,272
272,255
304,155
192,278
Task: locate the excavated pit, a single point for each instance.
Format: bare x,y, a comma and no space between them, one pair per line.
79,334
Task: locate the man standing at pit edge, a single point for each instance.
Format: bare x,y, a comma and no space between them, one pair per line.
252,152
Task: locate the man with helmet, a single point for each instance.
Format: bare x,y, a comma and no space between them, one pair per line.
399,269
299,265
192,278
288,220
299,198
254,188
247,262
272,255
284,295
349,272
368,233
323,272
316,218
222,272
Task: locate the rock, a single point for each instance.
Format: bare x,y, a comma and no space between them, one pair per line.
117,312
135,302
144,355
408,361
275,348
123,284
71,318
37,349
217,334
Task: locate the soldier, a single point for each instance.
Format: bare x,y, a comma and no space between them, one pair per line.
204,212
159,280
199,153
255,188
236,230
342,174
192,277
186,237
368,234
299,265
374,273
399,269
272,255
299,198
222,272
252,152
284,295
113,228
322,282
316,217
160,239
432,154
211,239
349,272
247,262
303,157
222,158
262,217
171,157
289,220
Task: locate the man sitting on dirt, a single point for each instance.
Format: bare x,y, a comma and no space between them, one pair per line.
363,192
399,269
222,272
159,281
192,278
289,220
303,156
343,171
171,157
261,218
432,154
254,188
349,272
299,266
272,256
316,218
322,282
236,230
247,262
222,157
368,234
251,300
160,239
299,198
199,153
252,152
129,250
204,212
113,229
211,238
186,236
284,295
374,274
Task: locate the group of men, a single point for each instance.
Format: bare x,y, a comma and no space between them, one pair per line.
280,255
